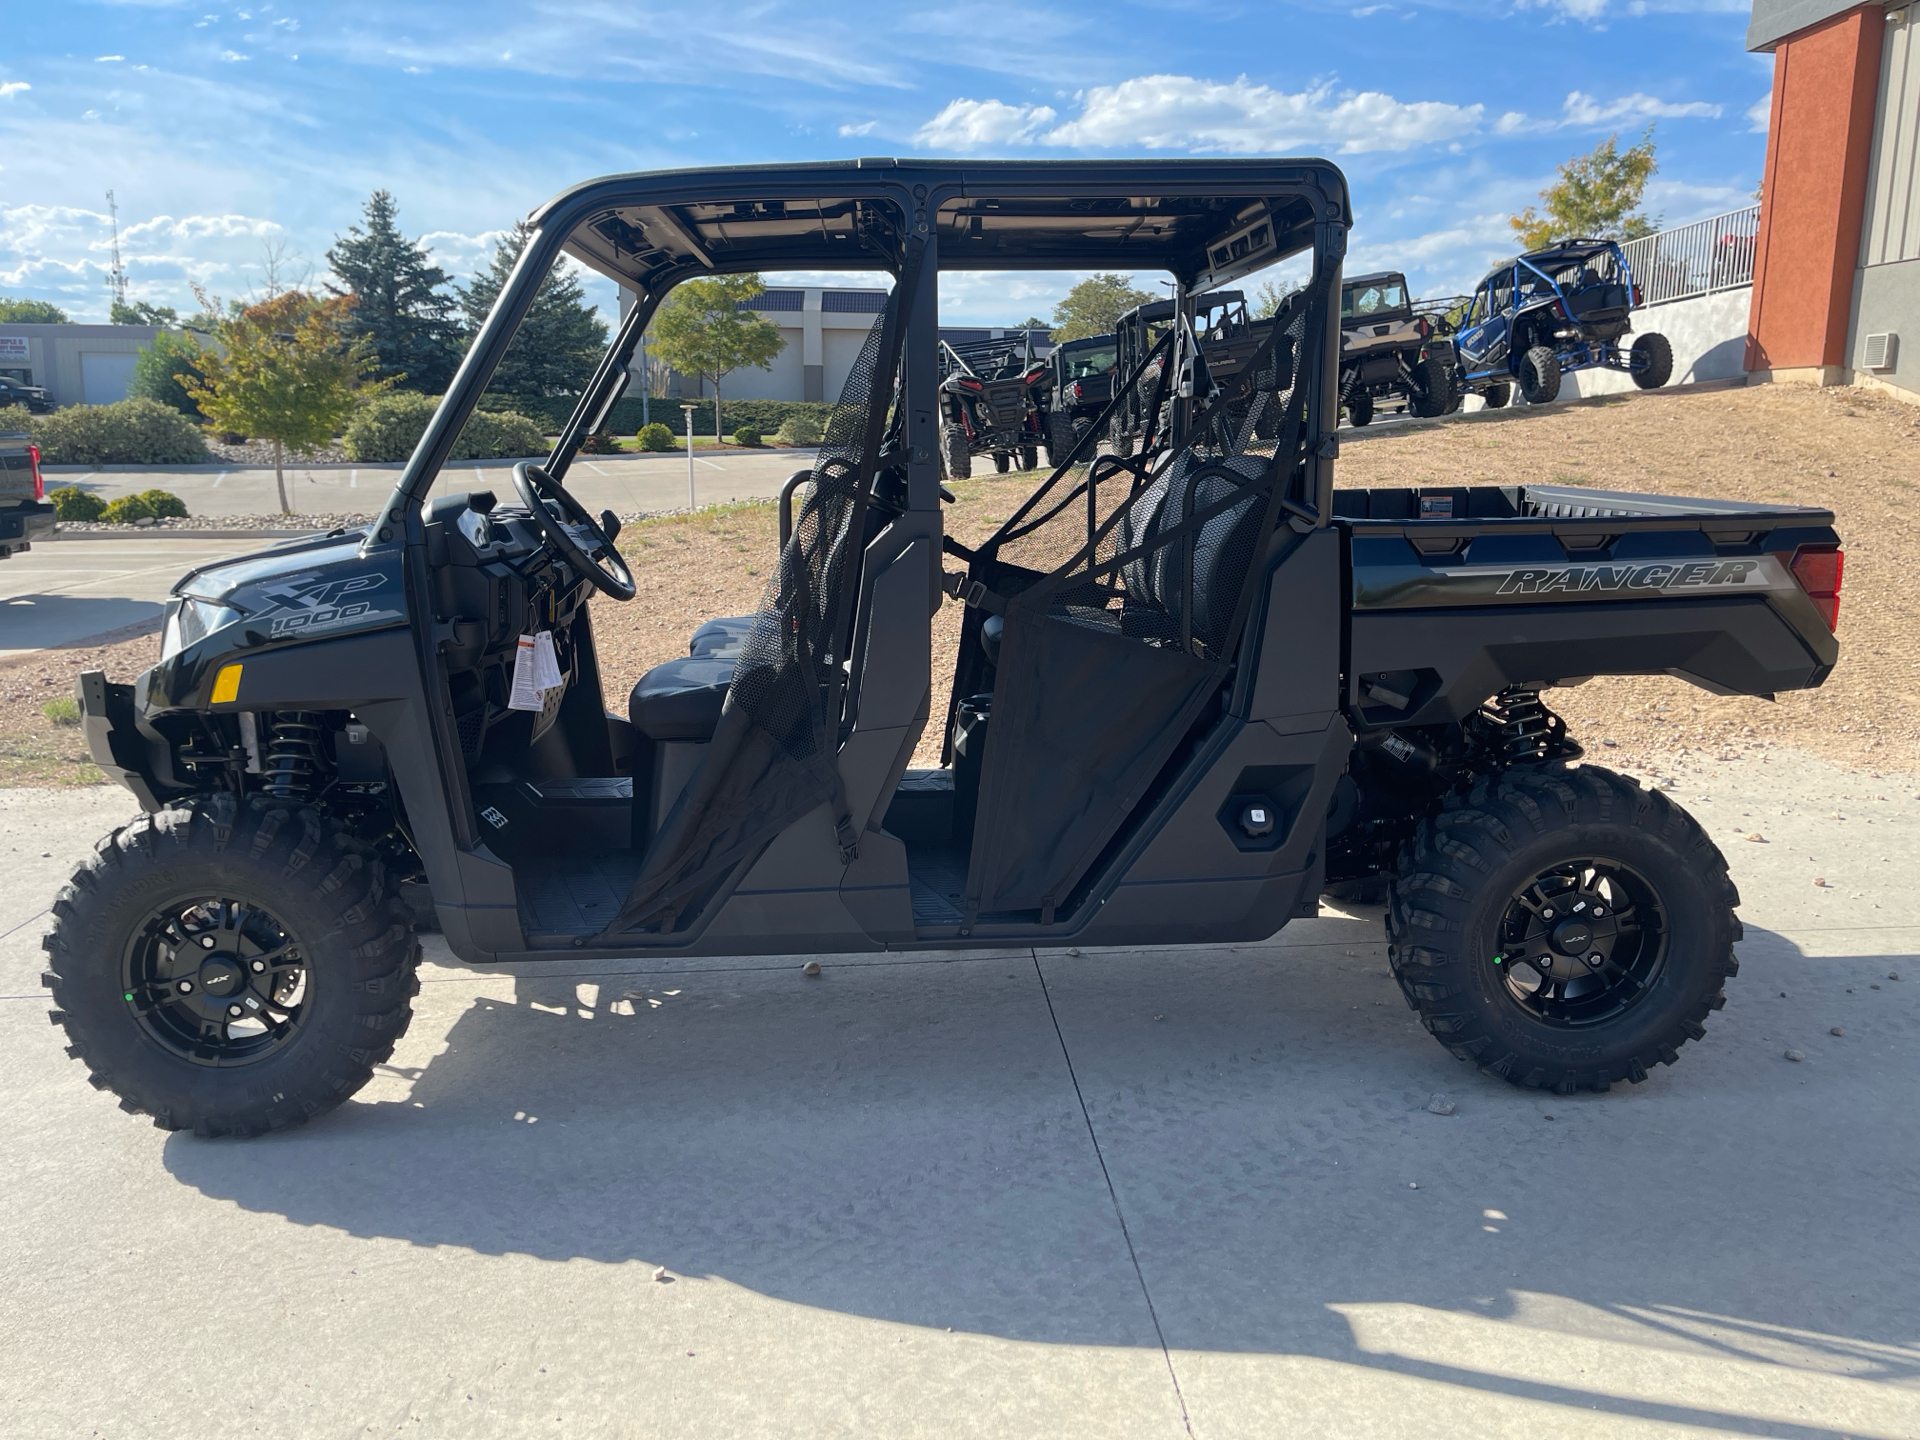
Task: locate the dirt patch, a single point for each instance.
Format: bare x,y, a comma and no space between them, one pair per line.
1851,450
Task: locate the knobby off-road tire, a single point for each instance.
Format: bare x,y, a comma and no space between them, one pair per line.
1359,409
1658,366
954,454
1062,435
1478,876
257,908
1029,457
1433,393
1496,397
1540,376
1002,461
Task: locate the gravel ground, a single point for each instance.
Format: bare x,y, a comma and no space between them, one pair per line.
317,523
258,454
1848,449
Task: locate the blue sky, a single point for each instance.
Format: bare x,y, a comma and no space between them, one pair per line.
225,131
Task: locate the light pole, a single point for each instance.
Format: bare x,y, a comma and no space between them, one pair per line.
687,410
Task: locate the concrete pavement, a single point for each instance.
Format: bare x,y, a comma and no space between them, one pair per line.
60,592
627,484
1159,1192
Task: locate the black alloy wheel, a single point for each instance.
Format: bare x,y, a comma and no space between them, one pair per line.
216,981
1582,942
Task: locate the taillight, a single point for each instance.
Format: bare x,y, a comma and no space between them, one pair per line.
39,480
1634,293
1818,569
1077,393
1038,372
969,383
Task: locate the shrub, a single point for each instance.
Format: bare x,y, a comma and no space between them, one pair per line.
127,509
655,437
387,428
15,417
746,436
599,442
132,432
165,504
153,373
62,710
800,428
70,502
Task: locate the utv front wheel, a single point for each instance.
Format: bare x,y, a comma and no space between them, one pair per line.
1540,376
1496,397
1359,409
1563,929
1652,362
230,968
1029,457
1433,393
1002,461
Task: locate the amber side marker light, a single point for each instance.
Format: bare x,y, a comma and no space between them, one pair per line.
1818,569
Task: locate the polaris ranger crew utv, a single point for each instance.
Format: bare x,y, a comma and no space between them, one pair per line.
1549,314
1194,685
1209,342
1388,352
1080,383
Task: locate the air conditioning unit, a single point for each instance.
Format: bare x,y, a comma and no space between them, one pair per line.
1880,352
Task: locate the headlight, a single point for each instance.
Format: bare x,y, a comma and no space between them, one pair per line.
190,621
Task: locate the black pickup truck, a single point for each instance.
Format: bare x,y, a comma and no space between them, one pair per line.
24,511
1194,685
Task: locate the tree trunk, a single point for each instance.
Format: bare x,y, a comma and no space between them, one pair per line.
717,431
280,480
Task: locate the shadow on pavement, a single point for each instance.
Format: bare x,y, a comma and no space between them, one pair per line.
907,1142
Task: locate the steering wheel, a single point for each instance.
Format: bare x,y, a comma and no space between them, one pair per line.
598,560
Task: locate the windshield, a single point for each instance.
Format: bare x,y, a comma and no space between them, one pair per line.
1094,360
1374,299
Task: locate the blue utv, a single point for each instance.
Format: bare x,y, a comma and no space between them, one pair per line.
1547,314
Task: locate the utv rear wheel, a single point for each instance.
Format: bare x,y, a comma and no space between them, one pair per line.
1497,396
231,969
1433,392
1540,376
1652,362
1563,929
1062,436
1359,408
953,450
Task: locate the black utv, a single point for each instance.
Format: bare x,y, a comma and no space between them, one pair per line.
993,401
1202,343
1389,352
1079,388
1194,686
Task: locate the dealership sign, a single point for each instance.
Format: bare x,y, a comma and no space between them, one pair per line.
13,347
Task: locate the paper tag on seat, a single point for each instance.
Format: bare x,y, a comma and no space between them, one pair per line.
535,670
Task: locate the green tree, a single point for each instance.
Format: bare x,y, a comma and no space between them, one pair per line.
31,312
141,312
561,339
704,328
1033,322
1268,299
399,303
1598,194
1094,306
288,375
162,369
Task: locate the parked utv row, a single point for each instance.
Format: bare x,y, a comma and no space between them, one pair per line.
1195,684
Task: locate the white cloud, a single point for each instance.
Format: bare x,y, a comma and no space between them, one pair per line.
973,124
12,88
232,56
865,127
1759,114
1511,123
1178,112
1583,109
102,59
62,251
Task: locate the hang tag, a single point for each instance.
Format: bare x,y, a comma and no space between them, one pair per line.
546,665
526,665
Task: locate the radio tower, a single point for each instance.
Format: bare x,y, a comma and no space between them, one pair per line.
117,276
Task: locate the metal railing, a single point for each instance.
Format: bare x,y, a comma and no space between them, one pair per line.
1696,259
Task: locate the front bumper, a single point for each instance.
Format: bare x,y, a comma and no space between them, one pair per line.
115,739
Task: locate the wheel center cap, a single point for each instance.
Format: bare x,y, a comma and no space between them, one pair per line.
221,976
1572,937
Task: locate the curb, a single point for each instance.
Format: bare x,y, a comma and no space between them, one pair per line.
1518,410
134,533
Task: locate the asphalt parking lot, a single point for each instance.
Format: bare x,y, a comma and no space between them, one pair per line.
63,591
1161,1192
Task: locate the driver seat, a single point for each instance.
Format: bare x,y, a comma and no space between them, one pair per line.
676,706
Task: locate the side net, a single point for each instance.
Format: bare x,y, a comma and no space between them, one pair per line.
772,758
1125,587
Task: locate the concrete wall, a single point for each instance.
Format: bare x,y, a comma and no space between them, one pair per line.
1708,334
1888,300
57,357
1886,293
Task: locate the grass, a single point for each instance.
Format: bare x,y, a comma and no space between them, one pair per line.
64,710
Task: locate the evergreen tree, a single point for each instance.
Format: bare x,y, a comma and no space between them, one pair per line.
399,305
559,342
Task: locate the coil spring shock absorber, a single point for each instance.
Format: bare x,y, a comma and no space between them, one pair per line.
296,757
1525,731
